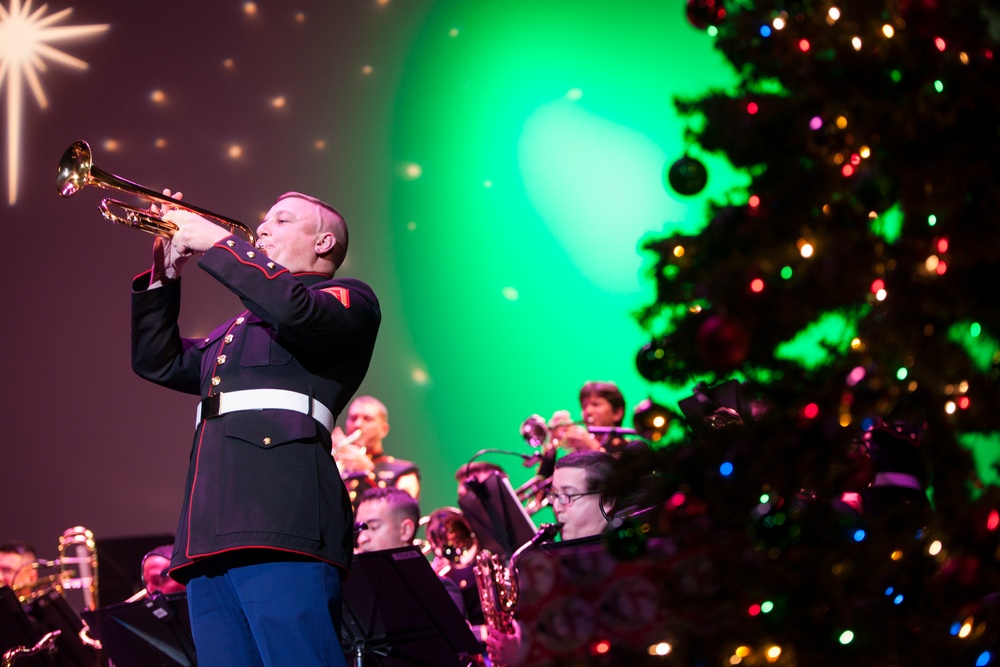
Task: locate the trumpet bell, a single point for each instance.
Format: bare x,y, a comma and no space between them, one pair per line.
73,172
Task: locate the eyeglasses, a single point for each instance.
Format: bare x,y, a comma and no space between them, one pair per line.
567,498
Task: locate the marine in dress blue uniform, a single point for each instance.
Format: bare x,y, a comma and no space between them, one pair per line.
266,527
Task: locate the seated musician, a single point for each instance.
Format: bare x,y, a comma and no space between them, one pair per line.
392,517
154,572
364,459
17,564
578,494
602,408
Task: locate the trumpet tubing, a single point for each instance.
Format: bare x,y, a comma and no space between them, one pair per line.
76,170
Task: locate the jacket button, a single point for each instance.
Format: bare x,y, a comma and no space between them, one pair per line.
230,243
270,265
228,339
267,441
251,254
221,359
240,320
216,381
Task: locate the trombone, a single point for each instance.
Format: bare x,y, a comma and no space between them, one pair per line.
76,170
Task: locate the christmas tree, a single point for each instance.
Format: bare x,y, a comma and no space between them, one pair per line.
841,491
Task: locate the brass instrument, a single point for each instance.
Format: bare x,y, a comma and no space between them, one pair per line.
46,643
449,538
533,494
76,170
498,588
77,547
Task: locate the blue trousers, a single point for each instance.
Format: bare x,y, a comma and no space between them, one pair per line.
272,614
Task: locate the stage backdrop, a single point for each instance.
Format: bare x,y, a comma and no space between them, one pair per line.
498,163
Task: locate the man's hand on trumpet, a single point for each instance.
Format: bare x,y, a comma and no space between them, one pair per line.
350,457
167,256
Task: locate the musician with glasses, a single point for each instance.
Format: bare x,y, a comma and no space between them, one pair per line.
266,527
579,493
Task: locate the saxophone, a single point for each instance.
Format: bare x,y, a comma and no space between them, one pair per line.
46,643
498,588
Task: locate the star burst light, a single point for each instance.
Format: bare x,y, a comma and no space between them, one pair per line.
25,45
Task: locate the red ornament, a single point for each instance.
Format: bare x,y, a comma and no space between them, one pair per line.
722,342
703,13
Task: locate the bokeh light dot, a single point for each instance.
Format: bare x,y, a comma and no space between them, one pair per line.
411,171
752,108
846,637
157,97
757,285
815,123
726,469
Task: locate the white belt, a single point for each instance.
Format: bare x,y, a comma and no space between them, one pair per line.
225,402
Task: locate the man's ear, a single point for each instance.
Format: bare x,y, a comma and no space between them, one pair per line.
325,243
407,530
619,415
608,505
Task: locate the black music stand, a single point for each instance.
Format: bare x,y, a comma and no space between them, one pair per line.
397,612
155,632
498,519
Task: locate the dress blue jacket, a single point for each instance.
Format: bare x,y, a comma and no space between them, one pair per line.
261,479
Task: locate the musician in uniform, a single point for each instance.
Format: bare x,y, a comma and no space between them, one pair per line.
362,459
266,527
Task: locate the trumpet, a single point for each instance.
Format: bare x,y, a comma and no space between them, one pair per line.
76,170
